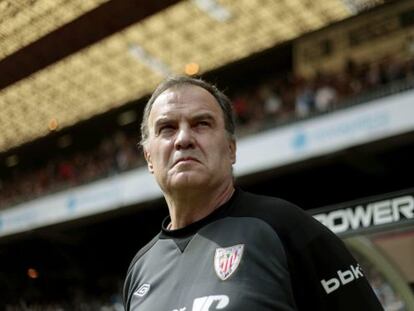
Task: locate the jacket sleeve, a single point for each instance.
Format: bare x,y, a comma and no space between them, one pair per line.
130,282
325,276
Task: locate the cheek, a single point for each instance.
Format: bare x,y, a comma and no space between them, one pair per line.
223,154
162,153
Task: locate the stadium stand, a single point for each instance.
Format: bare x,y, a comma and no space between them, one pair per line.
80,263
270,104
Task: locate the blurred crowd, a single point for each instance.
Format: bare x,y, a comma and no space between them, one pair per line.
291,97
113,155
267,104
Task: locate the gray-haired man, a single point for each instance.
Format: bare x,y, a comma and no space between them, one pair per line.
222,248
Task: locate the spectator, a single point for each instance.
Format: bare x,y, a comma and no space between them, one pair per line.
272,104
325,97
304,101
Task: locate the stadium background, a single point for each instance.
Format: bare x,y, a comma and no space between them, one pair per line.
324,101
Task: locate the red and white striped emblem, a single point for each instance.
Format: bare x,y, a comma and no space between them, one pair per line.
226,260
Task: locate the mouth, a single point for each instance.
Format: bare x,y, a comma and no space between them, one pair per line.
186,160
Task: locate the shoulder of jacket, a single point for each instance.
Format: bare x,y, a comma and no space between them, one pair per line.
267,205
286,218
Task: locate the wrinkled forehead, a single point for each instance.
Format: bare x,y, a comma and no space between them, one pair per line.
185,99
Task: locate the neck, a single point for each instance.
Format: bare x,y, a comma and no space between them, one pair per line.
187,207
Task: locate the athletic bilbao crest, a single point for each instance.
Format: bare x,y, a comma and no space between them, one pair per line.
226,260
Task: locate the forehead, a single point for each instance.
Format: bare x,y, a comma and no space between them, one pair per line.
184,100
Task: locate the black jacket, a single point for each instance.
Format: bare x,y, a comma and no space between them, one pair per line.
254,253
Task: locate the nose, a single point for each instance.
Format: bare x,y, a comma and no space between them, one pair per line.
184,138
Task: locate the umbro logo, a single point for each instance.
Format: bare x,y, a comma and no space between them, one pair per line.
142,290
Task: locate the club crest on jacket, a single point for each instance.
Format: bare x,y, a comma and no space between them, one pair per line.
227,260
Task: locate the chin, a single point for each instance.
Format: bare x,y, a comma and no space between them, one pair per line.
188,180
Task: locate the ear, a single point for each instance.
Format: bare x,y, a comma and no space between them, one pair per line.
147,156
232,150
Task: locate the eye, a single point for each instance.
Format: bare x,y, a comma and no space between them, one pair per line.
203,123
166,128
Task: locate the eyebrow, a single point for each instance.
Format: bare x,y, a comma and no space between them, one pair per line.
162,121
197,117
203,116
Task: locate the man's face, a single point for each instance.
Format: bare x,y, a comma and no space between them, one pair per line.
188,145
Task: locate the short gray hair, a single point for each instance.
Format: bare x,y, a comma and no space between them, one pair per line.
178,81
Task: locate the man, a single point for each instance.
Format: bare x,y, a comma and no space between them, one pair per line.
222,248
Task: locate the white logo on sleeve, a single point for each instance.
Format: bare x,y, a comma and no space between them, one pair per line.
344,277
142,290
209,303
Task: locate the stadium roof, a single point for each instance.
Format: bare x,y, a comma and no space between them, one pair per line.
65,61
